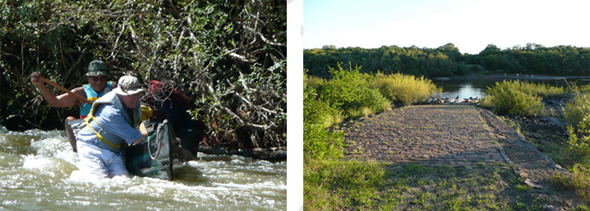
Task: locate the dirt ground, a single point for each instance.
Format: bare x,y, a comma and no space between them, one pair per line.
463,135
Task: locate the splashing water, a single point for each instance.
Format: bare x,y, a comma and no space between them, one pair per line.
38,170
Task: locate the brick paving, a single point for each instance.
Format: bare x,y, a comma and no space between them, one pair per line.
454,135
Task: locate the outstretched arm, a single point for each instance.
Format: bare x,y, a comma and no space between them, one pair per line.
63,100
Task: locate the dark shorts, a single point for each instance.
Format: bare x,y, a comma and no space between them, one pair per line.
191,136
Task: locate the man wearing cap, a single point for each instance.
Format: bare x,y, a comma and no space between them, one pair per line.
110,125
97,86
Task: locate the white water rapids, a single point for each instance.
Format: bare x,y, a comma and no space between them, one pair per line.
38,171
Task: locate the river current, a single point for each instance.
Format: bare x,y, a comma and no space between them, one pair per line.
38,171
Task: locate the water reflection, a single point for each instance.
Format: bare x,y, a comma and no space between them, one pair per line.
472,87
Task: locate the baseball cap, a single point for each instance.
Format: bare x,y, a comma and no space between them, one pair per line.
128,85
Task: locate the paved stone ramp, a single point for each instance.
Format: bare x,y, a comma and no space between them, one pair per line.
453,135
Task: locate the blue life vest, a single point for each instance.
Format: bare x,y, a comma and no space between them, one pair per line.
92,96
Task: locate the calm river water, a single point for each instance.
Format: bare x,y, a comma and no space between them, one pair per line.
38,171
465,88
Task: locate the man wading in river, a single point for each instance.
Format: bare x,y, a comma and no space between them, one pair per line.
97,86
109,127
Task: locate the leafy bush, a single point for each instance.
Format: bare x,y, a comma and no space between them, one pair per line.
515,97
577,109
405,89
577,115
348,89
318,142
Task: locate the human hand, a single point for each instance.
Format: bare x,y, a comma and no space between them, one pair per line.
139,140
35,79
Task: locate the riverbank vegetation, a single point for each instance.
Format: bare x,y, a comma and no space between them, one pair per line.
447,60
229,58
519,97
572,152
577,150
360,94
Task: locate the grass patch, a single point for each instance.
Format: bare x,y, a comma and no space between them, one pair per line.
578,181
404,89
356,185
351,183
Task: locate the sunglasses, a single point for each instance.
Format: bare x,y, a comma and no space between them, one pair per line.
98,78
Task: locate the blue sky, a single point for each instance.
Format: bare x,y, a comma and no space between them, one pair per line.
469,24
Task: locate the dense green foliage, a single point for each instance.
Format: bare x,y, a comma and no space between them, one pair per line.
444,60
519,98
349,90
577,115
228,57
535,59
447,60
318,115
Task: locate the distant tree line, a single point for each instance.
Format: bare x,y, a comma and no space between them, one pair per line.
447,60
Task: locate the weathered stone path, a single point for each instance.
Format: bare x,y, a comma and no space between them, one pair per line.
429,135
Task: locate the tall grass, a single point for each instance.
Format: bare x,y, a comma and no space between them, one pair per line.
404,89
577,181
519,98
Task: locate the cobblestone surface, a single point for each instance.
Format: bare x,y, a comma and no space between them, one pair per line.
453,135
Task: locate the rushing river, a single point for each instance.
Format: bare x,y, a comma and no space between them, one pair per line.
38,171
465,88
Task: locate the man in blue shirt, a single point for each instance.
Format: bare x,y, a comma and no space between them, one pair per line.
110,125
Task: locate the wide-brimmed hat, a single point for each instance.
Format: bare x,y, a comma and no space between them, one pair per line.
97,67
128,85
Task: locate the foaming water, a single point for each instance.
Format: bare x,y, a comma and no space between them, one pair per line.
38,170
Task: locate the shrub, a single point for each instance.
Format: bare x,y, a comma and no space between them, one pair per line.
577,109
318,142
404,89
348,89
515,97
577,115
